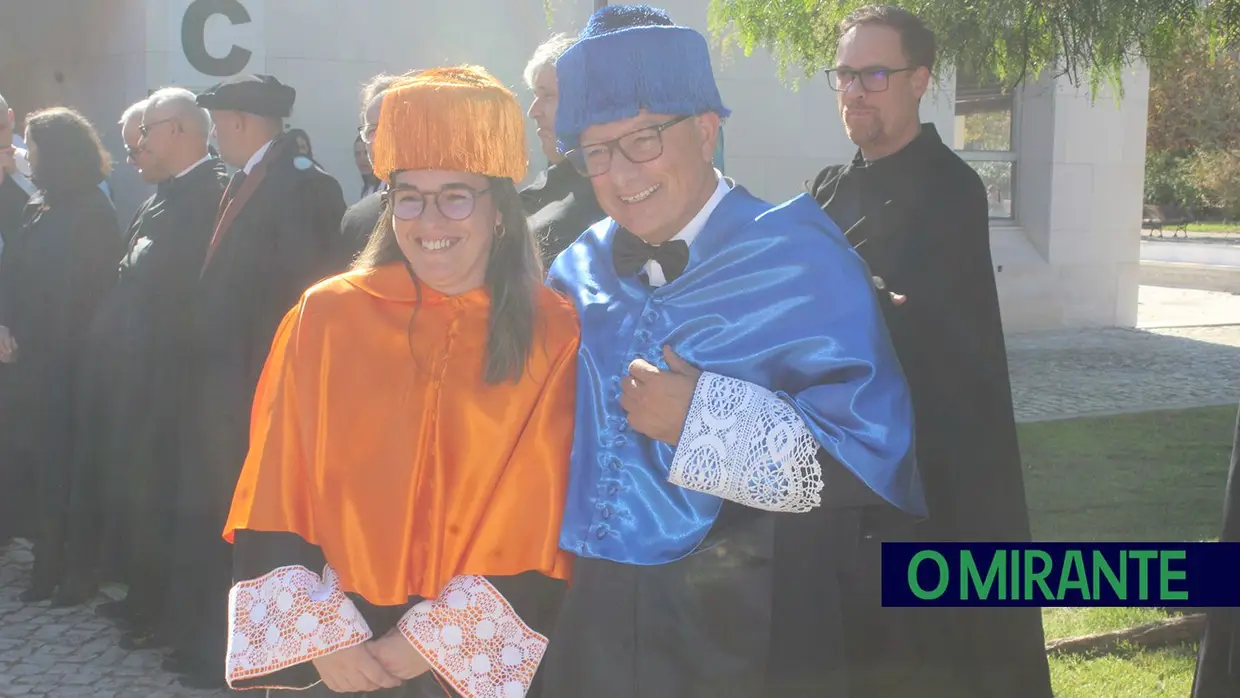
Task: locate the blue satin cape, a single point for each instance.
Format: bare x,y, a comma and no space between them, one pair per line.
771,295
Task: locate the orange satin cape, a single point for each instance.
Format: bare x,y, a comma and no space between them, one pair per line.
374,436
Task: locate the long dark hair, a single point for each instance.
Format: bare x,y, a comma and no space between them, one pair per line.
71,155
513,275
295,133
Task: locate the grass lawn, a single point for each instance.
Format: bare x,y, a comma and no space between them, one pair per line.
1151,476
1214,227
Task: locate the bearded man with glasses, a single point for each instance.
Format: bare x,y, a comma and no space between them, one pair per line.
735,382
918,216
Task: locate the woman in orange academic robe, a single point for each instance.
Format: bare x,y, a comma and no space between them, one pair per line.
395,524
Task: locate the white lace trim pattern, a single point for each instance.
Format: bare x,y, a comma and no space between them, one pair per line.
742,443
475,640
286,617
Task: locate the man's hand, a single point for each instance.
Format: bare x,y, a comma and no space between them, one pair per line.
8,346
398,656
354,670
657,401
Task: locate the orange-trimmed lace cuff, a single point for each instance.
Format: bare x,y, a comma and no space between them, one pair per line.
287,617
473,638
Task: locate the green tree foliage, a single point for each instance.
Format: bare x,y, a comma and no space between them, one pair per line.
1193,142
1089,41
1216,173
1194,98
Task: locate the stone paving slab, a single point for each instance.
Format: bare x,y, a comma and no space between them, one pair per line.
1073,373
55,653
67,652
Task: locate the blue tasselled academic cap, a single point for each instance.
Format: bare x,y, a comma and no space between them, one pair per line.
630,58
609,18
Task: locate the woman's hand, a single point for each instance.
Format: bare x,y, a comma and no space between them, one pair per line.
398,656
354,670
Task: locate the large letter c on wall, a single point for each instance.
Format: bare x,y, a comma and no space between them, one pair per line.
194,39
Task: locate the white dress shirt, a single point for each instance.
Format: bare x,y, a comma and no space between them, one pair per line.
653,270
191,167
256,157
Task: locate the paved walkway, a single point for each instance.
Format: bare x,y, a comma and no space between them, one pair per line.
1066,374
67,652
48,653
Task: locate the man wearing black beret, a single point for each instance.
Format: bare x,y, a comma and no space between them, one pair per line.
276,234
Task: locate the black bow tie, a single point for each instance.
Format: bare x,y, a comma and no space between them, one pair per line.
630,253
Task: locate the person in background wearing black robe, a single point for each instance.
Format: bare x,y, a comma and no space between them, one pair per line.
15,190
361,158
94,541
54,272
139,343
918,216
362,217
1218,657
15,187
560,203
276,235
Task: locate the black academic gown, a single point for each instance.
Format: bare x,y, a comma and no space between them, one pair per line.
919,219
54,271
128,399
12,202
1218,658
360,221
284,239
560,205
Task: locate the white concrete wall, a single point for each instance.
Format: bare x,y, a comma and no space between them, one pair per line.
1073,259
87,55
327,49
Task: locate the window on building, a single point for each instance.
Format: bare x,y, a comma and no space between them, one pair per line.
985,138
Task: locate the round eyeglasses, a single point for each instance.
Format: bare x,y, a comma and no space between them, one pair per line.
455,202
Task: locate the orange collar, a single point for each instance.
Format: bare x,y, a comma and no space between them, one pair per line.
392,282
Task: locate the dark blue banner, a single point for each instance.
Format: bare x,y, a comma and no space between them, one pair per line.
1061,574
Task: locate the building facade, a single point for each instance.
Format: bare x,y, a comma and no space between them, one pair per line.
1064,171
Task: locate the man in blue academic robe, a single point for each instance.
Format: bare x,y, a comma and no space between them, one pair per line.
736,382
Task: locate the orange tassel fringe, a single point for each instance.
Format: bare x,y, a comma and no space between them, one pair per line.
459,118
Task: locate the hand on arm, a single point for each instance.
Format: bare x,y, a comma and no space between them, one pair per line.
657,401
734,439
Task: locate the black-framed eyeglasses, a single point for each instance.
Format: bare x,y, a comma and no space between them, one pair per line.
872,79
455,202
145,129
367,132
642,145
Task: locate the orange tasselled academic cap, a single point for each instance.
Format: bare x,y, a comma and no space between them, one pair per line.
459,118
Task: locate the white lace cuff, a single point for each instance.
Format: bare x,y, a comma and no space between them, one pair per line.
473,639
287,617
744,444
